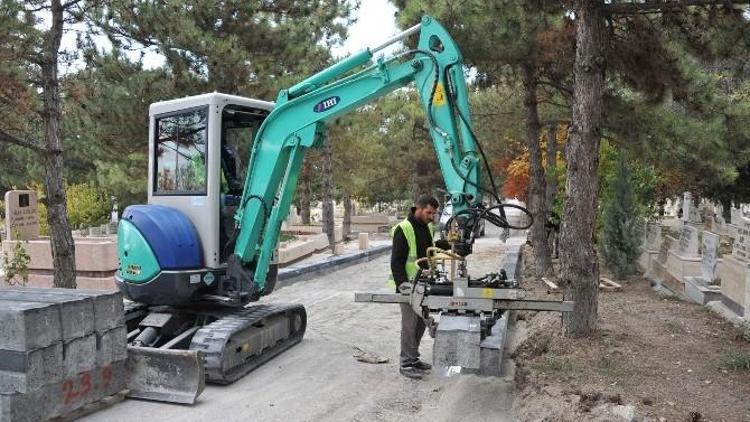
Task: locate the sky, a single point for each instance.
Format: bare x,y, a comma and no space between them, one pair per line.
376,23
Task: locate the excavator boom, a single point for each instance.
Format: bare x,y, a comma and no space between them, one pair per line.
297,123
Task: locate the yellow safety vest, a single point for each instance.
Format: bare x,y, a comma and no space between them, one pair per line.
411,240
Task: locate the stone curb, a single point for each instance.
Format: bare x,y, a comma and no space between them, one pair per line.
513,265
295,273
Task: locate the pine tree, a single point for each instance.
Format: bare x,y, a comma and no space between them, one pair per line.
621,231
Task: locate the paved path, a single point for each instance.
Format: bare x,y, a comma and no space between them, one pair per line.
319,380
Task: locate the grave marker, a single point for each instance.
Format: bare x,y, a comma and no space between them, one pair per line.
688,243
741,247
21,217
709,259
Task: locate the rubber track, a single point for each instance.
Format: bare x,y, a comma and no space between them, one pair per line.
213,338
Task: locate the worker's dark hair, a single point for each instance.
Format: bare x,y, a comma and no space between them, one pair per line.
426,200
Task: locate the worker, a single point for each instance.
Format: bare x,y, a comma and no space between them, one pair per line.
411,238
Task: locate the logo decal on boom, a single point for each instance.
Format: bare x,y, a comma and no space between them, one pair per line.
326,104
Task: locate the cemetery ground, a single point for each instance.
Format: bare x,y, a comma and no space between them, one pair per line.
670,359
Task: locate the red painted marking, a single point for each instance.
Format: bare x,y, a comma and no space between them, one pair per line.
106,376
68,388
85,386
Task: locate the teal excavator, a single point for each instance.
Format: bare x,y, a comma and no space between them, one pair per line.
204,247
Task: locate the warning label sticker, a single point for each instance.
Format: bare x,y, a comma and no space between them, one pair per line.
439,98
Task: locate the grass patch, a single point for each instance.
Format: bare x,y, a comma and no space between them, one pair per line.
285,237
735,359
610,367
561,365
673,327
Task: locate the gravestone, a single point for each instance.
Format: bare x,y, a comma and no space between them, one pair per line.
704,289
21,217
688,243
653,236
687,205
694,216
666,245
735,271
709,259
650,248
735,214
741,246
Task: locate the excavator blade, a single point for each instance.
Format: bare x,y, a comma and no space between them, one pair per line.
168,375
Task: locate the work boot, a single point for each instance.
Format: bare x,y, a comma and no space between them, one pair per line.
422,366
411,372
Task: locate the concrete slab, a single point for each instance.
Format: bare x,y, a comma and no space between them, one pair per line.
700,292
28,325
59,398
108,304
22,372
111,346
80,355
76,313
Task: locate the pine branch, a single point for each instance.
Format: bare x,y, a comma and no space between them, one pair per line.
651,6
31,144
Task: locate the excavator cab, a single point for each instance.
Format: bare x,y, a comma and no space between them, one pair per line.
173,251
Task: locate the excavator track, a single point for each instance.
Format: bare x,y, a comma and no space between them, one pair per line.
241,340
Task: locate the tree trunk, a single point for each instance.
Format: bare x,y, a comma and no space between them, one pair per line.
305,193
579,268
537,205
347,214
550,194
327,206
61,240
551,173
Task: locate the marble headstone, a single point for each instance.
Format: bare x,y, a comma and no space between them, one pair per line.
710,256
688,242
741,247
653,236
21,217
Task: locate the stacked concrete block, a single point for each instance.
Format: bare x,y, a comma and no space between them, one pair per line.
60,349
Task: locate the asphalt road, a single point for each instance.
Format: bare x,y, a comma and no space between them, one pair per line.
320,380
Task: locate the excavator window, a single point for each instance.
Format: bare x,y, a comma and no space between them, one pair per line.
238,128
239,125
181,142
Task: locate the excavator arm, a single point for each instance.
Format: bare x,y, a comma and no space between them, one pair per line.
298,121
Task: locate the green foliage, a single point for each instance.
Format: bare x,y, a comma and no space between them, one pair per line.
735,360
249,47
621,229
16,264
87,205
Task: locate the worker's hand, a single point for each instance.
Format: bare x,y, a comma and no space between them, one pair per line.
405,288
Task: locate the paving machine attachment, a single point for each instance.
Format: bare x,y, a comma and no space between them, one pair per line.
203,249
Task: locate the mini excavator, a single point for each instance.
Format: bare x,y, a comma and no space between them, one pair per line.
203,249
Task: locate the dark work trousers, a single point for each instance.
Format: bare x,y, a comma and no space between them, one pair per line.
412,329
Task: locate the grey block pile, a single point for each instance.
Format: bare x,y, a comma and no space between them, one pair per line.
60,349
